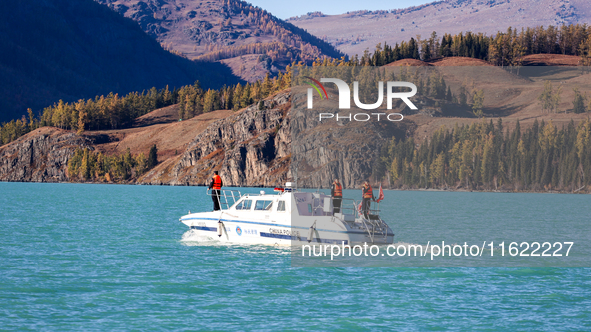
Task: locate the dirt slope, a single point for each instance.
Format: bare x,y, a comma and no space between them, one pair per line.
407,62
170,138
458,61
551,60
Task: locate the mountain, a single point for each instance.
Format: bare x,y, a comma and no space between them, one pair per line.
354,32
60,49
232,31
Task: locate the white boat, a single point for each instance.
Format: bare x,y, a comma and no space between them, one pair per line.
288,217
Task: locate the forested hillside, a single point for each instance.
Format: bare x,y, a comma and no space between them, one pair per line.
485,156
117,112
58,49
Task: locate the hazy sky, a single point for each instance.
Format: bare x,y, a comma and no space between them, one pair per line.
286,9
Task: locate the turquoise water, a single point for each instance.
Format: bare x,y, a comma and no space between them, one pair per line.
110,257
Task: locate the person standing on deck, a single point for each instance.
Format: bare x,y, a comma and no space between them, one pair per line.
215,185
337,196
367,193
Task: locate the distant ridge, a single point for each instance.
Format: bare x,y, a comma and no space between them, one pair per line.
59,49
353,32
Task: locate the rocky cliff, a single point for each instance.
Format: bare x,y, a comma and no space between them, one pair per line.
40,156
344,149
262,145
249,148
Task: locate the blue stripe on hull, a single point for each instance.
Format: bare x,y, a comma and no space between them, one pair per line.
276,236
203,228
299,238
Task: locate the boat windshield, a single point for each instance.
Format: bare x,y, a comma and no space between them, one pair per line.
244,204
263,205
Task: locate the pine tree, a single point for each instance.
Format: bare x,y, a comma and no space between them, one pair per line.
152,157
394,170
237,96
245,99
266,86
141,163
546,100
32,122
585,52
128,164
478,103
84,170
82,116
210,101
578,102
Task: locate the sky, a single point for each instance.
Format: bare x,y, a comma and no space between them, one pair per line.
286,9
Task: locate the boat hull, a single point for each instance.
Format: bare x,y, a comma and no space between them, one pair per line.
281,233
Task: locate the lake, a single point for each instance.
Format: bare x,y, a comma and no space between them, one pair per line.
112,257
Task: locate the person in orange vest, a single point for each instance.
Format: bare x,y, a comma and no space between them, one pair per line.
215,185
367,197
337,196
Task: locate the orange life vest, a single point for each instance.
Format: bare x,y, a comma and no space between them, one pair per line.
367,191
338,190
217,182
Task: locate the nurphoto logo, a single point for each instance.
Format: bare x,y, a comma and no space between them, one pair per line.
345,99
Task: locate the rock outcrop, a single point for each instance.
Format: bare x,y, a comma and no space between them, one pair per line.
249,148
40,156
344,149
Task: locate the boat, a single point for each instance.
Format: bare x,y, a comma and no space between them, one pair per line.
288,217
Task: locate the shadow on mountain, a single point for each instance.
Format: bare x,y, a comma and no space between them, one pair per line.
59,49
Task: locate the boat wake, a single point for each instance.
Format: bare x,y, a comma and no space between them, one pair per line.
194,238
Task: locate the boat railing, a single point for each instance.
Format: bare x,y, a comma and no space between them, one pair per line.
374,211
371,220
348,207
352,207
358,209
226,197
